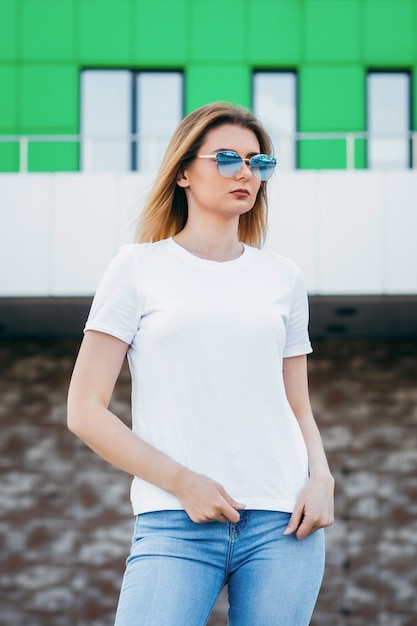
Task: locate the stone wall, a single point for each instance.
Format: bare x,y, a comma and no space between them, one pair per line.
65,518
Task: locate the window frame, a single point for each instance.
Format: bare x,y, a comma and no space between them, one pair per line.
295,74
133,121
390,71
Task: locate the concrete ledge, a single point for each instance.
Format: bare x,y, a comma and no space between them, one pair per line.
330,317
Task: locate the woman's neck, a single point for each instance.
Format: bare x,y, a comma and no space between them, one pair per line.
211,244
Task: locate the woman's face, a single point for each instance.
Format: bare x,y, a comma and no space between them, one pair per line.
207,190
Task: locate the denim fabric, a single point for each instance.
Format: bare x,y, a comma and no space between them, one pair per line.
176,570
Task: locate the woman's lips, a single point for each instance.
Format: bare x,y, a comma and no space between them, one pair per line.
241,193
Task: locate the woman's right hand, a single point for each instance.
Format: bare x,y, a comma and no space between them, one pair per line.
95,373
205,500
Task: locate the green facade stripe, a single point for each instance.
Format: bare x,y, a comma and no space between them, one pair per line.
47,30
274,33
8,98
49,98
332,31
217,81
159,33
330,44
9,19
335,97
50,157
9,157
390,32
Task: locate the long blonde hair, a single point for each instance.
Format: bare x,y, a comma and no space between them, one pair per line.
166,211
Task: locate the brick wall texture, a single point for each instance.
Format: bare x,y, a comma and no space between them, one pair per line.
65,517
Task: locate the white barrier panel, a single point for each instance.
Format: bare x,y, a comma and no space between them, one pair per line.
399,218
350,232
349,239
25,235
292,221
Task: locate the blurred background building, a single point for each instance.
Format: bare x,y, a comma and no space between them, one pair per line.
90,92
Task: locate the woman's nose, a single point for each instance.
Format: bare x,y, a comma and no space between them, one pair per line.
244,170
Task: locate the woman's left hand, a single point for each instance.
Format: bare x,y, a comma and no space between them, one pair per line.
314,506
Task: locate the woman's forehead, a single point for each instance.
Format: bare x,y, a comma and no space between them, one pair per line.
232,137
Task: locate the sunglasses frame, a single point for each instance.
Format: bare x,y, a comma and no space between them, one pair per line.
268,168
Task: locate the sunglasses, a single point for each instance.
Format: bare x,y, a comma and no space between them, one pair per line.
229,163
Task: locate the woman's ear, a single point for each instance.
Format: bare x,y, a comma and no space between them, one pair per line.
182,179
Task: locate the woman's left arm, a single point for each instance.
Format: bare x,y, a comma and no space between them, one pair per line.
314,507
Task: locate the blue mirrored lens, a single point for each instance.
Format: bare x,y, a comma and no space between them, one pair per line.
228,163
262,166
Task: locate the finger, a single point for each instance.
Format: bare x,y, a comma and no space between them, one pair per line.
230,500
230,509
295,521
230,514
222,511
223,514
236,505
305,529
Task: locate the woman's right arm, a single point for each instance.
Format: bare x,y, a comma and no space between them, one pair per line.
96,370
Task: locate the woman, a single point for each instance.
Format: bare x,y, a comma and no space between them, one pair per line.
231,483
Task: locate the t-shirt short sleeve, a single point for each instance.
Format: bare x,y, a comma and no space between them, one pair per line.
297,336
116,307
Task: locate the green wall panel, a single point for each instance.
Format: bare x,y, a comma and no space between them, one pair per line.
332,30
360,154
47,30
53,157
49,98
414,27
414,100
8,29
322,154
328,154
155,40
390,32
104,32
332,98
274,32
9,157
208,83
217,31
8,98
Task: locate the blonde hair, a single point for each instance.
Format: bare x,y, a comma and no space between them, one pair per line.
166,211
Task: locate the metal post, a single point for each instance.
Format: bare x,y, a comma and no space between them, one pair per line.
88,155
350,151
414,150
23,154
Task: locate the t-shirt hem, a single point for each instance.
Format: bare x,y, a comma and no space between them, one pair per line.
298,350
251,504
108,331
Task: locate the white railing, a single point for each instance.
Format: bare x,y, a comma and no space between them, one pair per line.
88,143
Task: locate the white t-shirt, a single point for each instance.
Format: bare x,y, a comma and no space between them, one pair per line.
206,343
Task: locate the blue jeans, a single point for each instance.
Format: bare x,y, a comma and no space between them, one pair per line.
177,568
